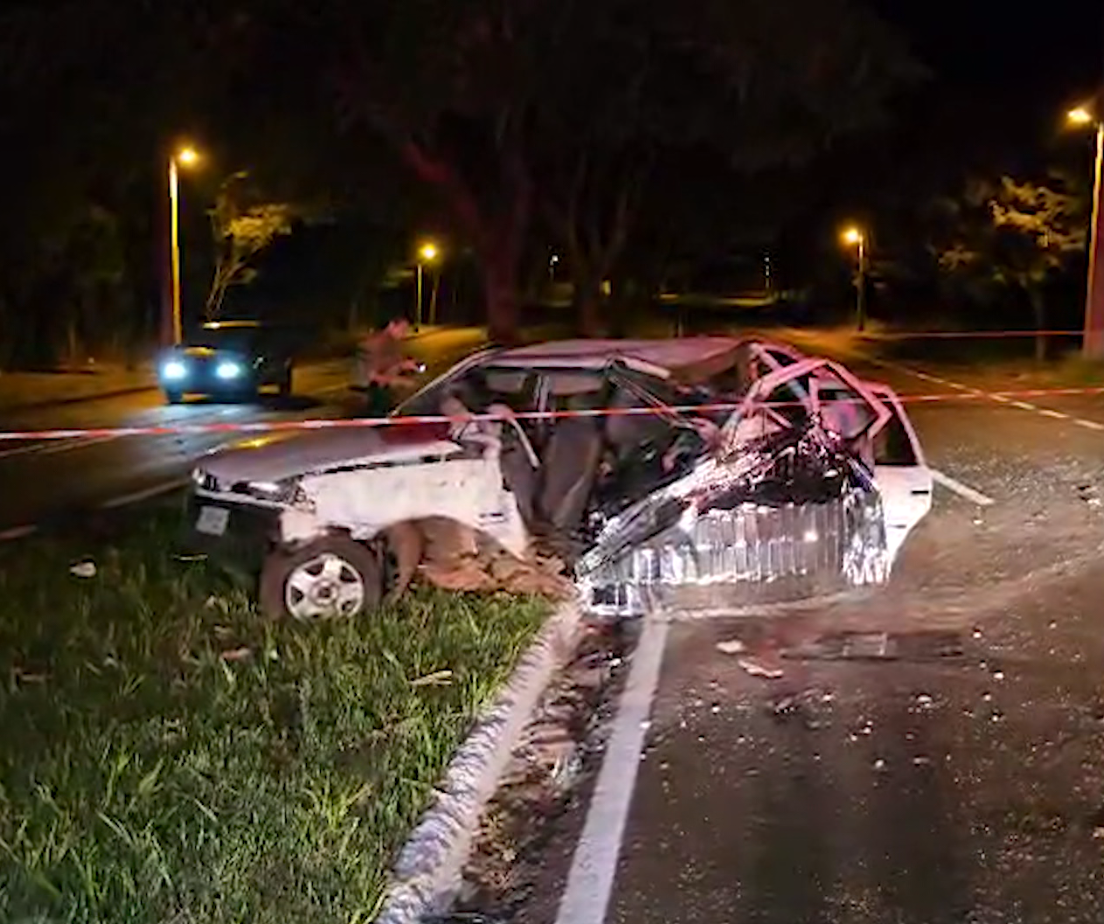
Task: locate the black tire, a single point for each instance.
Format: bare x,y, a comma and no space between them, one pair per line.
278,600
173,397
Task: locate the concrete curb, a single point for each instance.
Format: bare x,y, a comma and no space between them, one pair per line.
428,872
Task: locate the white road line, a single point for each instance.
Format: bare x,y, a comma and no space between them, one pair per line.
16,532
1001,398
1089,424
1023,405
144,494
961,489
1057,415
590,882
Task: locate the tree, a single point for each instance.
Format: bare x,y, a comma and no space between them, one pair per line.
657,94
241,231
1013,235
86,132
556,109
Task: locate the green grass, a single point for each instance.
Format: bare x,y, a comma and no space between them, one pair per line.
147,777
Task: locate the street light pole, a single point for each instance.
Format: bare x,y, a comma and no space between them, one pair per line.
427,253
174,249
187,157
861,284
1093,345
856,237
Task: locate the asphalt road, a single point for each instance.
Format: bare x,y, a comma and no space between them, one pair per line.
59,481
949,769
55,480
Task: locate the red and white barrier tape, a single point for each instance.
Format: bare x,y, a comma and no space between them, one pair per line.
960,334
277,426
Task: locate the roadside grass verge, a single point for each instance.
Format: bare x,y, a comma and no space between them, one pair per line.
168,756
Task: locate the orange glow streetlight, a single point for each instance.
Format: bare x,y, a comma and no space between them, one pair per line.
182,157
427,253
1093,343
1080,115
854,237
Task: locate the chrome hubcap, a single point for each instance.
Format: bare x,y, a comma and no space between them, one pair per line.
324,587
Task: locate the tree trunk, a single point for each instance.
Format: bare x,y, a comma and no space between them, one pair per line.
72,343
1038,309
499,272
586,303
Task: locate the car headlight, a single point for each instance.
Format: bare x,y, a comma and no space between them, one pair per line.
228,370
174,370
204,481
288,492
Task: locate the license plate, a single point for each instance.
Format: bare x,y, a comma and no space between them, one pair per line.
213,520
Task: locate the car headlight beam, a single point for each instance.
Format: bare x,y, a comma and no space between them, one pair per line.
174,370
228,370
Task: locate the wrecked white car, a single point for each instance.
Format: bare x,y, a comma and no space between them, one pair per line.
652,469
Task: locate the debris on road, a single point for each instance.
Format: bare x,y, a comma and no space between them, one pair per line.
84,569
759,668
731,646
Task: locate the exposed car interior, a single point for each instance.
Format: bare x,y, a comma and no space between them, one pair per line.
561,461
565,463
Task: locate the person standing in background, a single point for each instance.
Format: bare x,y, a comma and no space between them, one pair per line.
382,366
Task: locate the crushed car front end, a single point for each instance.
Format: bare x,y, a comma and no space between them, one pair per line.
792,516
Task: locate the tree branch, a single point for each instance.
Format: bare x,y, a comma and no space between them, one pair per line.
437,172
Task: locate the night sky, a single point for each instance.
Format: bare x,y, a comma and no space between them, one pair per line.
1053,48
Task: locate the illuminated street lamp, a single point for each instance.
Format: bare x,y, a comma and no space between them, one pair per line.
1093,344
1080,116
427,253
182,157
854,237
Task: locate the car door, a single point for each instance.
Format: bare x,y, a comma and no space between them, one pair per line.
900,471
903,479
831,391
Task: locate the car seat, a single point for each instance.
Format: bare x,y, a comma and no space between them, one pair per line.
570,465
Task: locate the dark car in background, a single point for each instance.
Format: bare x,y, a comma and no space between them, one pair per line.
230,360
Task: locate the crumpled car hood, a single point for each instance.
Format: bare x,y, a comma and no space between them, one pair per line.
285,454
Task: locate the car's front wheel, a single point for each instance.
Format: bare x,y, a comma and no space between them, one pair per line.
333,577
172,396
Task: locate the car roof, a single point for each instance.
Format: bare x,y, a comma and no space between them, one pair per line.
662,357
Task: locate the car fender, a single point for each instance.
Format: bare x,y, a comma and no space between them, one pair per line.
367,500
